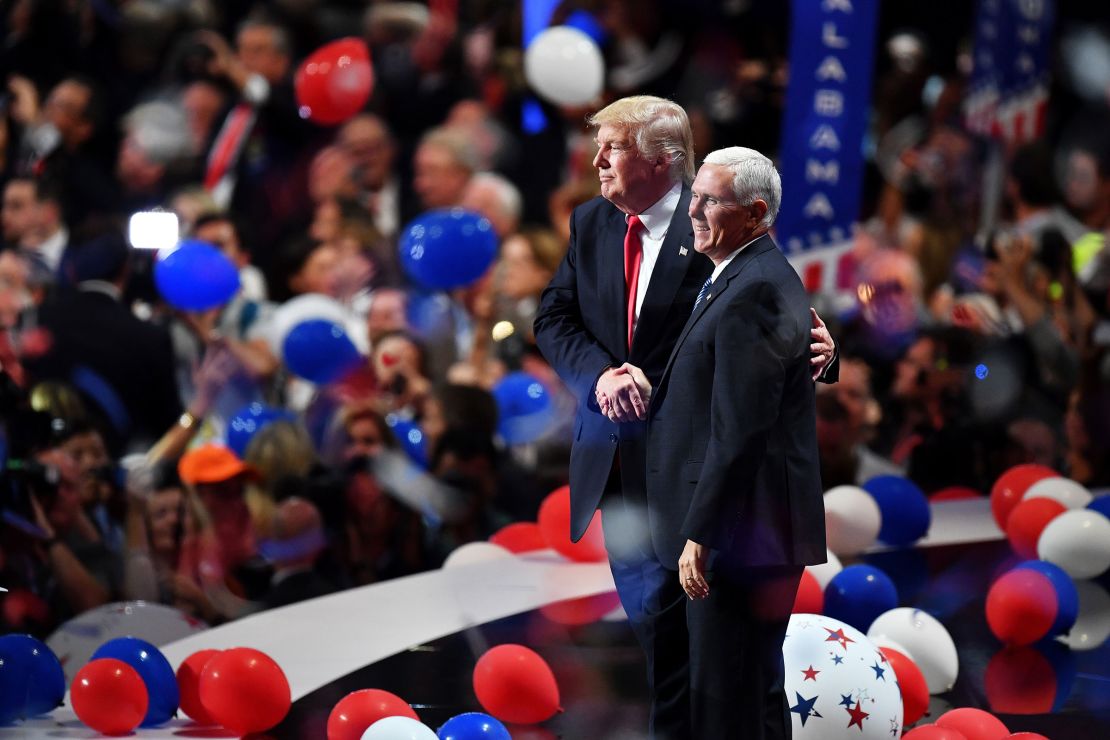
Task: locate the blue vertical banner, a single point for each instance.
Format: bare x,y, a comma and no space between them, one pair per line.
832,45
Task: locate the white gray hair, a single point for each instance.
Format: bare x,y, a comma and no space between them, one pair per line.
507,195
754,177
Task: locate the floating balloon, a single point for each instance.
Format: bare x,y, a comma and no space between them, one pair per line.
1069,493
196,276
108,696
810,599
473,726
524,408
911,682
300,309
555,526
975,724
475,552
1011,486
858,594
1021,607
515,684
334,82
564,66
825,571
447,248
188,685
520,537
319,351
904,510
1026,522
927,641
1078,541
248,421
1067,597
153,669
852,520
31,678
411,437
244,690
355,713
399,728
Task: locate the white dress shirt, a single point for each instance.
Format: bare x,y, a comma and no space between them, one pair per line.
732,255
656,221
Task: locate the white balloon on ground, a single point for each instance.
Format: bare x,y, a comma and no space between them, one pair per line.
852,520
1092,626
564,66
1078,541
926,642
475,552
827,570
1069,493
399,728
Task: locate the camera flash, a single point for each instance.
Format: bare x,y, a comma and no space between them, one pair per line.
153,230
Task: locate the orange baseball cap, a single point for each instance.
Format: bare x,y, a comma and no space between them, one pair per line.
212,463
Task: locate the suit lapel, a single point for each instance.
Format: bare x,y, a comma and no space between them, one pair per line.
666,277
611,259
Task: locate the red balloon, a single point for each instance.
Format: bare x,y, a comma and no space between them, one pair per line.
1027,520
975,724
1021,607
810,598
555,526
519,537
244,690
109,696
1020,681
955,493
334,82
932,732
515,684
911,682
1011,486
585,610
188,685
356,711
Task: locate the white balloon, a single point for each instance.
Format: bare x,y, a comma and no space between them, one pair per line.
852,520
926,642
302,308
475,552
826,570
1078,541
1092,626
838,684
398,728
564,66
1069,493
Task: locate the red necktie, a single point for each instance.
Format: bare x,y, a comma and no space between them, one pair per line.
633,256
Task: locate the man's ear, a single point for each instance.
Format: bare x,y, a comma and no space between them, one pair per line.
663,162
759,209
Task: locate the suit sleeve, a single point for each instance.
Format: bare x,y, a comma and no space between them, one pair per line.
754,342
561,332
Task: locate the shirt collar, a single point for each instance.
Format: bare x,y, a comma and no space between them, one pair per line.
725,262
657,218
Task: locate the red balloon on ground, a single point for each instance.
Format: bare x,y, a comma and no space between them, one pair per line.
554,523
334,82
585,610
911,681
515,684
188,686
932,732
109,696
1021,607
520,537
975,724
955,493
244,690
1027,520
1020,681
356,711
1011,486
810,598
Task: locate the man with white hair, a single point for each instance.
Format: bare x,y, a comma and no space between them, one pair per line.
496,198
733,479
607,325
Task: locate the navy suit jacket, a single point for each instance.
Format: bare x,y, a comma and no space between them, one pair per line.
581,329
732,431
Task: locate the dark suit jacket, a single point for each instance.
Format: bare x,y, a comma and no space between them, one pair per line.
732,436
580,328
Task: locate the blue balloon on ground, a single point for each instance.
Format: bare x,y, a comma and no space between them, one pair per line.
473,726
1101,504
447,248
247,421
319,351
904,509
196,277
31,678
153,668
858,594
1067,596
411,437
524,408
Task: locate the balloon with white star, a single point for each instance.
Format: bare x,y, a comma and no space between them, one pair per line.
839,686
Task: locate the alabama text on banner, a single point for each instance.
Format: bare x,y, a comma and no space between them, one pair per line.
828,98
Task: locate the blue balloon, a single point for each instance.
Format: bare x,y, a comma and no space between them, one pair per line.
524,408
858,594
906,567
1101,504
247,421
411,437
473,726
320,351
196,277
1064,668
31,678
587,24
153,668
904,509
429,314
447,248
1067,596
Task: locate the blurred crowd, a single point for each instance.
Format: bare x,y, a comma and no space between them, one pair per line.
968,342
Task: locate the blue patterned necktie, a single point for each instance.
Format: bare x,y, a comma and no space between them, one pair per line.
703,292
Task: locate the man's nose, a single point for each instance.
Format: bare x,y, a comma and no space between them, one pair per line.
599,161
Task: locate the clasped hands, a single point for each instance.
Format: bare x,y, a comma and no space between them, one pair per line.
623,393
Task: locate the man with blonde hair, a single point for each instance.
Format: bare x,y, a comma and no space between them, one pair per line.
607,324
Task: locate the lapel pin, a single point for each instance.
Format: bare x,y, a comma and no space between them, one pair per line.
709,298
683,251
